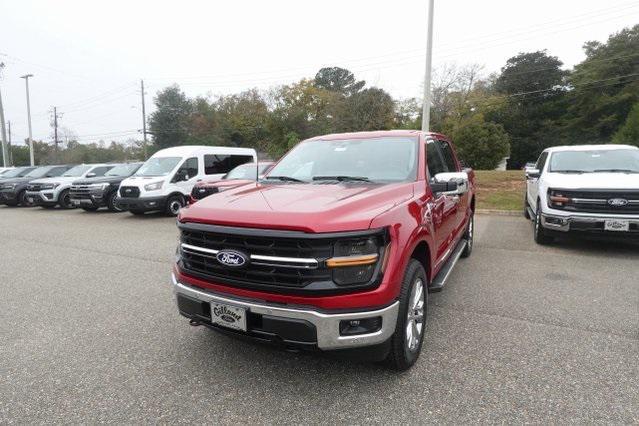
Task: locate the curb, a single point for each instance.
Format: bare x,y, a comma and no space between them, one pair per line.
499,212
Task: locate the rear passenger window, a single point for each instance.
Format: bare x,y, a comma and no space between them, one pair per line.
434,159
217,164
447,154
57,171
100,171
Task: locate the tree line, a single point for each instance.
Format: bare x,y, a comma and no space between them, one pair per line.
530,104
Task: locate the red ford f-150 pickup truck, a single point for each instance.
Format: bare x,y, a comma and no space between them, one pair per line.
335,249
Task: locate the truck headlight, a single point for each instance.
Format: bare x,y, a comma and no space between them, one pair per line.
354,261
50,186
153,186
101,186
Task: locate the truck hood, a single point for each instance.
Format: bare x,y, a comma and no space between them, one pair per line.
101,179
15,180
592,180
299,207
59,179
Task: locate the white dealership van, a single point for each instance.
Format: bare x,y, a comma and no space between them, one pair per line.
165,180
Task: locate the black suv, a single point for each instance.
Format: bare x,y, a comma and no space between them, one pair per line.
12,191
93,193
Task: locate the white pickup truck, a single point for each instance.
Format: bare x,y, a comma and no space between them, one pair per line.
588,189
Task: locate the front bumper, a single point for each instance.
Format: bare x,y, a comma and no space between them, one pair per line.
8,196
326,326
591,224
145,204
43,198
88,199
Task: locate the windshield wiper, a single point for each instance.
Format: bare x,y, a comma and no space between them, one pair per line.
343,178
284,178
571,171
616,170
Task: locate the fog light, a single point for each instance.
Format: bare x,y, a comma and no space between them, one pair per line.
360,326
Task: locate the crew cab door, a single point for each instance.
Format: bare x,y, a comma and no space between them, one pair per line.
444,207
532,182
462,202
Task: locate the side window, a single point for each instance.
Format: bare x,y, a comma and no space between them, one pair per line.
434,160
447,154
100,171
188,169
57,171
221,164
541,162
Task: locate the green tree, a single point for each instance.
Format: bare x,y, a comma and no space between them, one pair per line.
628,134
480,144
605,87
170,122
340,80
369,109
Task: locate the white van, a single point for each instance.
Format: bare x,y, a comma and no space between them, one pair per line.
164,182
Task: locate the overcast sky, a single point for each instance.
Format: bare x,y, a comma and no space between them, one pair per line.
87,57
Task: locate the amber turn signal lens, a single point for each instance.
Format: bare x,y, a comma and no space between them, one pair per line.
337,262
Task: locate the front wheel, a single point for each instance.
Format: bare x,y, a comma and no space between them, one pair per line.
112,204
406,343
23,200
65,200
469,236
540,233
174,204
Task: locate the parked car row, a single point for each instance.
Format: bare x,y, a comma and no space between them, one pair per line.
163,183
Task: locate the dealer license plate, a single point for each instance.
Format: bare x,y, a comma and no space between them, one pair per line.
228,316
617,225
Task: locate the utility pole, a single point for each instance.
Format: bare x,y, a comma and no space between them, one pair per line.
9,144
429,67
143,119
3,130
55,131
26,80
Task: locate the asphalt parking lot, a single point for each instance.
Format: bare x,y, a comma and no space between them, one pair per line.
521,333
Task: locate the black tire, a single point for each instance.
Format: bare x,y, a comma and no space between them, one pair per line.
23,199
402,355
111,204
64,200
469,236
539,232
173,205
137,212
526,207
90,209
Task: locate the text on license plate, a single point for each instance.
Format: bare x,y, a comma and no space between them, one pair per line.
228,316
617,225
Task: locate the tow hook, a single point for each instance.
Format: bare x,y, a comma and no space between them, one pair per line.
194,323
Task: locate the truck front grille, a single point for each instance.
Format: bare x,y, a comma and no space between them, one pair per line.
129,192
80,192
278,261
599,201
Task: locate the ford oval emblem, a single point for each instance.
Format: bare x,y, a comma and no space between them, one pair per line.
618,202
231,258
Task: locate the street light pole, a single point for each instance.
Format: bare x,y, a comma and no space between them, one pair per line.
26,80
3,131
429,67
143,119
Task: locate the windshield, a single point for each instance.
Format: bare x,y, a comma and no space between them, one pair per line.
246,171
76,171
23,171
158,166
377,160
39,172
123,170
595,160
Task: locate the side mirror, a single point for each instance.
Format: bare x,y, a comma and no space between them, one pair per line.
90,175
450,183
533,173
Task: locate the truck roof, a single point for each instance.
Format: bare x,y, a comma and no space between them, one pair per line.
186,150
589,147
376,134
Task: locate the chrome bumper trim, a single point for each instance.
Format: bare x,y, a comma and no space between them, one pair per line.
327,325
567,220
285,262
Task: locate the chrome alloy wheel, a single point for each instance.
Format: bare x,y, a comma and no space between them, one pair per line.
415,316
175,206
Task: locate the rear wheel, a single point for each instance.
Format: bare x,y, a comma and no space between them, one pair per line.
539,232
173,205
64,199
406,343
111,204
